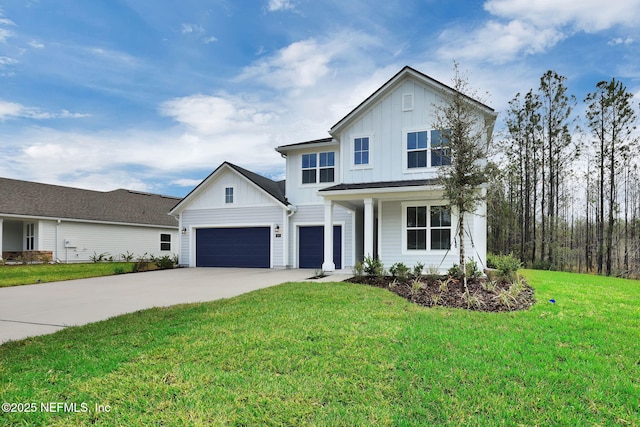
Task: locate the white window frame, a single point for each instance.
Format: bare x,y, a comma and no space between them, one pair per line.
428,204
317,168
406,150
368,165
30,236
228,195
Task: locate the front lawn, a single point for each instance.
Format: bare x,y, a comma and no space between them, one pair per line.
342,354
15,275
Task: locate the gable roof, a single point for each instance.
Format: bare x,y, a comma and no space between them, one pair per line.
275,189
33,199
390,84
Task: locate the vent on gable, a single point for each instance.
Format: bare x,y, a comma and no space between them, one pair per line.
407,102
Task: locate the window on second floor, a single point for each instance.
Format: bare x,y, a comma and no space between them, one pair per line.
318,167
228,195
427,149
361,151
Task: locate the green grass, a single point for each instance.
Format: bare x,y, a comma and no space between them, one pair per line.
15,275
340,354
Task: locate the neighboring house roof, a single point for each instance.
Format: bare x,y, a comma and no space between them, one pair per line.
390,84
272,188
33,199
283,149
382,184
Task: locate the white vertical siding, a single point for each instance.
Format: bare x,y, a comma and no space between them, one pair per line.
391,241
300,193
245,193
314,215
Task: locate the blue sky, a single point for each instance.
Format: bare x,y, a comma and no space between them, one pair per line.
155,95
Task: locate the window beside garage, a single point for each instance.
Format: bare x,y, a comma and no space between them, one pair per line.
165,242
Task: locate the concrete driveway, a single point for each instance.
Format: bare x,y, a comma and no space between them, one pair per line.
46,308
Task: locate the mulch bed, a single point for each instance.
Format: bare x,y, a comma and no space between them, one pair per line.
431,292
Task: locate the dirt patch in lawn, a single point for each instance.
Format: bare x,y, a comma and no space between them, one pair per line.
483,294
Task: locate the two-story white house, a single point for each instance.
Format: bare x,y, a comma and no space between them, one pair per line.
369,189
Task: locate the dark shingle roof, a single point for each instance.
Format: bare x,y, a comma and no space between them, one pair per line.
382,184
54,201
301,144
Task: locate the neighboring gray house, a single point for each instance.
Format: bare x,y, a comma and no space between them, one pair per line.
71,224
369,189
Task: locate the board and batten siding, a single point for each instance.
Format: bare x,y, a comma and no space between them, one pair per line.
263,216
300,193
89,239
390,245
310,215
245,193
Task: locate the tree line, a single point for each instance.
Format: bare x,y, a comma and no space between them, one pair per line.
565,190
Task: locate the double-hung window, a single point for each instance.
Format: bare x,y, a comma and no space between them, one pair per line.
440,150
327,166
427,228
228,195
165,242
318,167
428,149
417,149
361,151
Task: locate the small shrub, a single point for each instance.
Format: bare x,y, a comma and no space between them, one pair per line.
507,266
433,272
505,298
417,269
443,285
141,264
128,257
455,271
400,271
489,285
99,257
373,266
164,263
471,267
358,269
416,285
472,301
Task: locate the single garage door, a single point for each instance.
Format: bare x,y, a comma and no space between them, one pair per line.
233,247
311,246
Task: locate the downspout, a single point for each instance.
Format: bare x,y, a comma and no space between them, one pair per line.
291,209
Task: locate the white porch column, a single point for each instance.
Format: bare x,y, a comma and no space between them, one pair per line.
328,264
368,227
1,227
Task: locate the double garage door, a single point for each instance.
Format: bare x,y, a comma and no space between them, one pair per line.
251,247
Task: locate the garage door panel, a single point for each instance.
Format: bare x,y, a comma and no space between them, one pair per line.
233,247
311,246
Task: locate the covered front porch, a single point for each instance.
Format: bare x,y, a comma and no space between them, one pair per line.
399,221
19,240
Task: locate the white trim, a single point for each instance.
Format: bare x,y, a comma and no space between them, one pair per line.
296,236
336,169
408,101
405,150
403,228
49,218
191,233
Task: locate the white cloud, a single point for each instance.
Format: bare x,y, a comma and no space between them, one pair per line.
276,5
5,60
36,44
12,109
4,34
186,182
210,40
192,28
619,40
524,27
210,115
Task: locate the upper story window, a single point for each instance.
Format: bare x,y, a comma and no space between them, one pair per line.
318,167
427,149
228,195
361,151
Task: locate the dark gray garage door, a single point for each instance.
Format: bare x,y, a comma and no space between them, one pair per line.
233,247
311,246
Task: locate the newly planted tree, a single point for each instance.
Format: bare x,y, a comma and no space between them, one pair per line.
463,125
